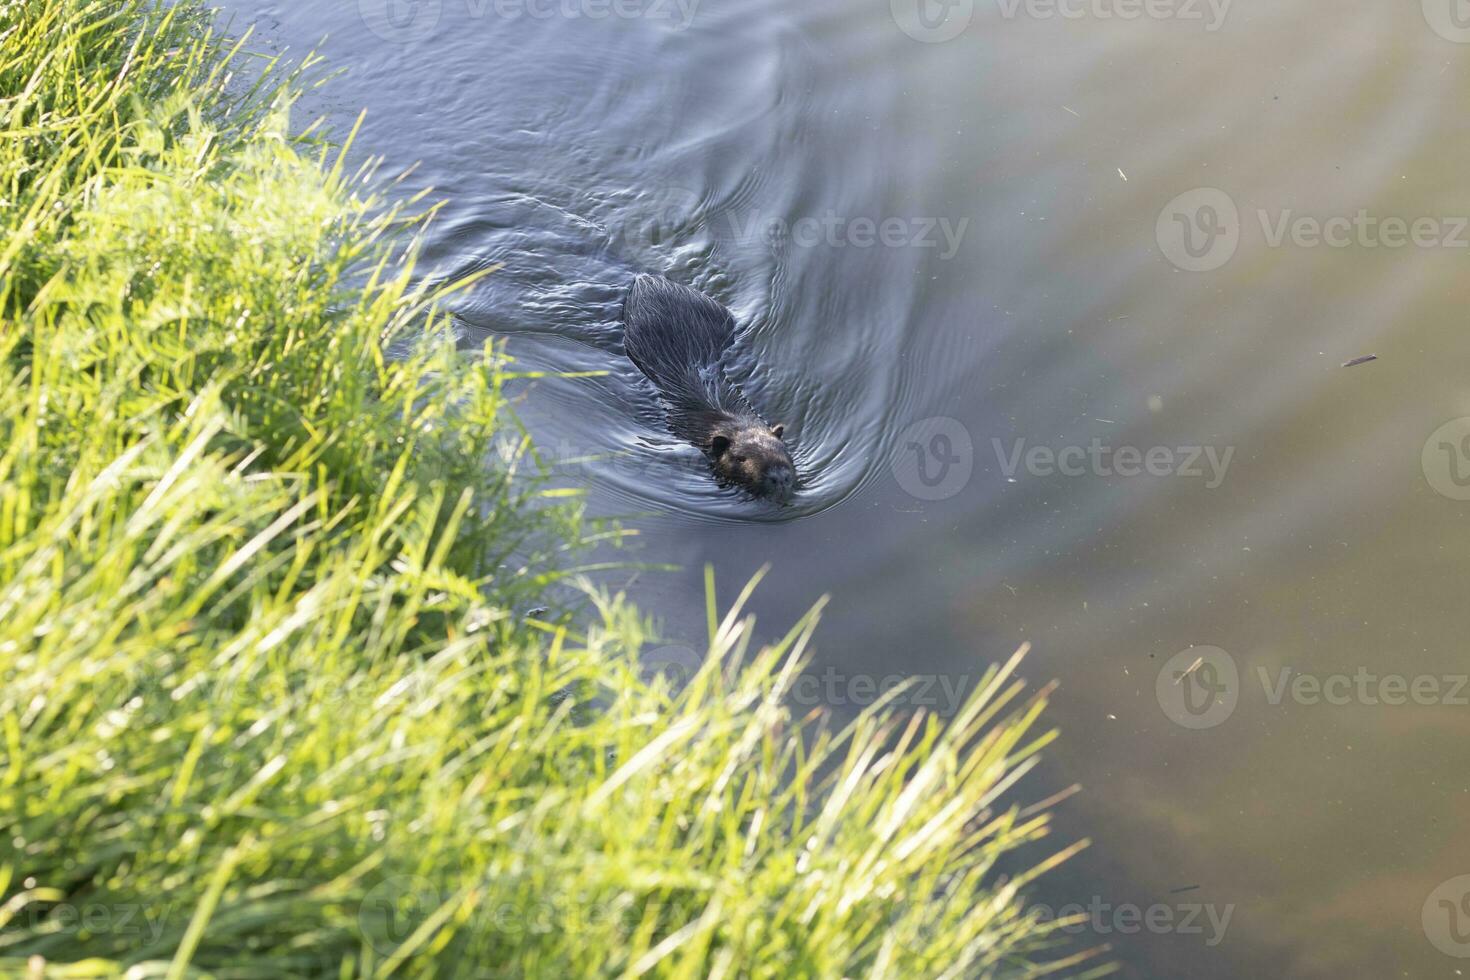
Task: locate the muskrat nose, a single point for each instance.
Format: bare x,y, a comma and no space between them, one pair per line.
780,480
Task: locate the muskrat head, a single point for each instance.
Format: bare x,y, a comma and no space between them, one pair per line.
753,456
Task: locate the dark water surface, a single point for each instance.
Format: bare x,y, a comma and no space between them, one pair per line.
1059,354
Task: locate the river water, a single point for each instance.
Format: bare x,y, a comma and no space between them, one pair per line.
1054,299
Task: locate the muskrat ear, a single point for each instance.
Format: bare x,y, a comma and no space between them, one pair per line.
718,445
778,430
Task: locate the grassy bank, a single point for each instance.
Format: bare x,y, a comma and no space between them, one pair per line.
273,704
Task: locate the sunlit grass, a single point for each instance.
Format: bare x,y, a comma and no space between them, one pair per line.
274,700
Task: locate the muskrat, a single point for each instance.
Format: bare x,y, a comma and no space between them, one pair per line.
678,337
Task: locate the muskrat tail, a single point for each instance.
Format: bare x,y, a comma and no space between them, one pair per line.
671,330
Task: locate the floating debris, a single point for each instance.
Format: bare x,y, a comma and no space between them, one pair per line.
1360,360
1192,668
1186,888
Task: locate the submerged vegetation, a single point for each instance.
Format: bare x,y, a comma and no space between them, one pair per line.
276,701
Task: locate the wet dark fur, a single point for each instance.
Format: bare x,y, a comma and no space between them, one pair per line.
678,337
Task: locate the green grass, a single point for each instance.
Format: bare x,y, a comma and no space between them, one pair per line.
272,702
